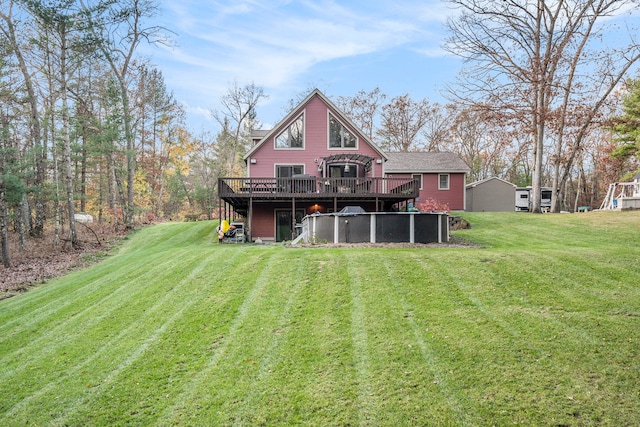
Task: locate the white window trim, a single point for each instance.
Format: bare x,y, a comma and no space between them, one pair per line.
448,181
304,139
329,147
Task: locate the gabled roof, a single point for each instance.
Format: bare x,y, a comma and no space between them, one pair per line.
259,133
295,111
425,162
482,181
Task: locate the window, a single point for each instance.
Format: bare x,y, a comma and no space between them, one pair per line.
292,136
418,177
443,181
287,171
339,136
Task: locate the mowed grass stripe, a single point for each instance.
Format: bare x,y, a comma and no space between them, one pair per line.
251,367
179,354
78,286
366,294
429,372
193,396
81,343
551,337
191,292
100,300
353,336
314,356
133,248
482,352
81,334
367,408
241,365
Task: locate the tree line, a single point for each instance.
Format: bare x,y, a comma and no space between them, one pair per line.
87,124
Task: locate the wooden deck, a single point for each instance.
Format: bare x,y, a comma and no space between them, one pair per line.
238,191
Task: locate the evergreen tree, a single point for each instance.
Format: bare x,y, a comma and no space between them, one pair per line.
627,126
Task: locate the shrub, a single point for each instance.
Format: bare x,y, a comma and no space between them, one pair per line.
433,205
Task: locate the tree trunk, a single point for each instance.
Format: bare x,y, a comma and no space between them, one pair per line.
35,129
56,178
23,217
4,214
83,173
4,229
67,141
131,160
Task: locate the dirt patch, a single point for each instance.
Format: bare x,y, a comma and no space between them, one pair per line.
40,260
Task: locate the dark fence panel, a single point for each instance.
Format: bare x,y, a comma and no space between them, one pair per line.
392,228
426,228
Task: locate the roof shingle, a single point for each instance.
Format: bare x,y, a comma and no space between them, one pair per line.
425,162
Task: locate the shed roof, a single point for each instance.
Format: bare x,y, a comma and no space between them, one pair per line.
259,133
482,181
425,162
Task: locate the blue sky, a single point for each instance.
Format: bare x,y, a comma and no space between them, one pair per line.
287,47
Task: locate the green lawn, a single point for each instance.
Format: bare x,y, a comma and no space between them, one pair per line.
539,326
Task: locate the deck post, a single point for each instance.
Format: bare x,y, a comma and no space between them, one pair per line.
293,217
250,219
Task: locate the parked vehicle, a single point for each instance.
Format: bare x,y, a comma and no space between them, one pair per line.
524,200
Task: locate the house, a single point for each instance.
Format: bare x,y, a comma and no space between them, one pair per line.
490,195
317,160
441,175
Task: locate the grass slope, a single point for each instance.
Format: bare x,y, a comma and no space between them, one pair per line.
540,326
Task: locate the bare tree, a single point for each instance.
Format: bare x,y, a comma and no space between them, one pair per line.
402,121
238,112
437,129
528,55
363,109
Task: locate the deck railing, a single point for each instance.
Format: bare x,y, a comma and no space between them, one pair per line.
338,187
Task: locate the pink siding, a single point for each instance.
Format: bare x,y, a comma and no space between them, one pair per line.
315,145
453,197
263,223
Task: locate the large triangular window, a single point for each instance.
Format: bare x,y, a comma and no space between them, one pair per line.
339,135
293,135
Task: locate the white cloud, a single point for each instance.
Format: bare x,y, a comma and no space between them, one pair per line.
276,43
